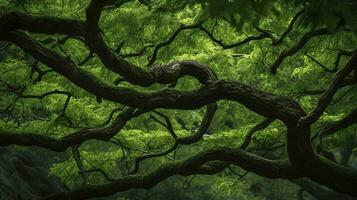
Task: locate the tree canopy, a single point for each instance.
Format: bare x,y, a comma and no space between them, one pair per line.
132,92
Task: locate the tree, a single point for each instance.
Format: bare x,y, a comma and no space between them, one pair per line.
82,51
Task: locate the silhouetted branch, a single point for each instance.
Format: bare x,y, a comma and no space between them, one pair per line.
236,44
327,96
298,46
157,47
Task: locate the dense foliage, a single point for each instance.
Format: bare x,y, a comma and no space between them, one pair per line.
132,93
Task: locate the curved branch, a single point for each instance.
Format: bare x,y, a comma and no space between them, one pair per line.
327,96
301,155
162,74
138,53
250,162
345,122
170,40
167,124
303,158
299,45
205,123
236,44
248,137
76,138
265,34
341,53
263,103
41,96
195,137
106,176
287,31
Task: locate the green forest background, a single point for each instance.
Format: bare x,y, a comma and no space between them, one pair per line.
133,29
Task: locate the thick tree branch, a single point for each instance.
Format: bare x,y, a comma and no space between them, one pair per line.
76,138
263,103
163,74
41,24
256,164
304,161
